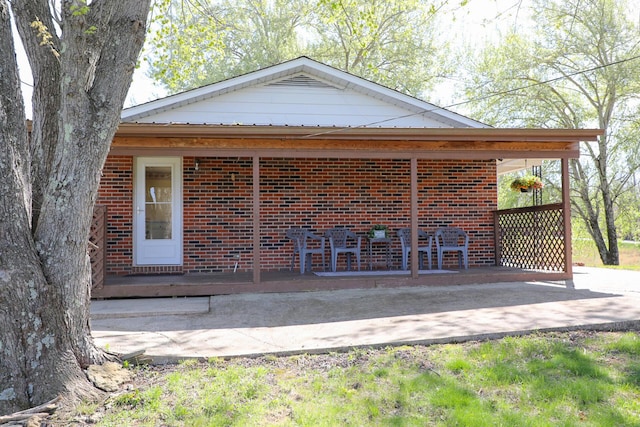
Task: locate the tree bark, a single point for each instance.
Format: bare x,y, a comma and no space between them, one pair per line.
588,212
81,80
46,93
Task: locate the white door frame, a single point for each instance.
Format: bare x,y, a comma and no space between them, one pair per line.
147,249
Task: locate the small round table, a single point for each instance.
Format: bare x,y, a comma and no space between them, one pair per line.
376,240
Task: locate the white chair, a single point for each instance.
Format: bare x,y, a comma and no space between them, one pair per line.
452,239
405,242
339,240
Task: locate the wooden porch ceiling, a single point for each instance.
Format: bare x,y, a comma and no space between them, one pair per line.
282,141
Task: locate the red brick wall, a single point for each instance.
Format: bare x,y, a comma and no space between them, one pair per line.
320,194
312,193
116,192
218,216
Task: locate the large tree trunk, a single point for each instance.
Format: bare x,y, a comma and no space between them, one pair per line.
81,78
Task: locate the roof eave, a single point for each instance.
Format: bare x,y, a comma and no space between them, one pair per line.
329,133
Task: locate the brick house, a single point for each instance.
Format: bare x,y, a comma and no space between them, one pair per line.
200,187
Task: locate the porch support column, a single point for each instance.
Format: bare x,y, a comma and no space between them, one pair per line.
566,216
414,218
256,219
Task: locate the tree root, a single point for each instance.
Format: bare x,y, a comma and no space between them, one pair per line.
31,416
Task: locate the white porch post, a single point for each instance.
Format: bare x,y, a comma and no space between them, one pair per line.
414,218
566,213
256,219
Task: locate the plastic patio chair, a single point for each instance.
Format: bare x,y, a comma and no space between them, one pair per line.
405,243
452,239
304,247
343,241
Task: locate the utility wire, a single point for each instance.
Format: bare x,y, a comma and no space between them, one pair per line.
555,79
456,104
481,98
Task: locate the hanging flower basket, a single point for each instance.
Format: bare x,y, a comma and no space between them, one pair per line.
526,183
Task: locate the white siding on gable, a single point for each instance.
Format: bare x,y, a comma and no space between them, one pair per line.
300,92
286,104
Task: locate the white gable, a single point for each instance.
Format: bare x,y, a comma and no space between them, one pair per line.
301,92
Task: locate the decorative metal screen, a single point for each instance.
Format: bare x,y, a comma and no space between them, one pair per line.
531,238
98,246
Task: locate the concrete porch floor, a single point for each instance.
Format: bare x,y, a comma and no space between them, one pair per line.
293,281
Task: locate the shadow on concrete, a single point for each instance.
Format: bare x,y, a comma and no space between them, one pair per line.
309,308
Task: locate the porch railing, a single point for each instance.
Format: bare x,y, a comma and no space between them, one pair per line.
531,238
97,246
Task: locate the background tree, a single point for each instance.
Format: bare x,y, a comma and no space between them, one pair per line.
576,68
628,213
392,42
82,58
197,42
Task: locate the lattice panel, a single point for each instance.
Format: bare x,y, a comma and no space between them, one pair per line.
531,239
98,246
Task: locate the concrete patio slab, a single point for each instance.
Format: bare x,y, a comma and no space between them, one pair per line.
282,323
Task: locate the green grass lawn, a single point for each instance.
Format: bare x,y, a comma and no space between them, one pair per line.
585,252
554,379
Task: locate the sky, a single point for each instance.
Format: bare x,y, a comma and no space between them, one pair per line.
471,26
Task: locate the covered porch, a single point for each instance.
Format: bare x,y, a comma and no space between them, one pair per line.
409,150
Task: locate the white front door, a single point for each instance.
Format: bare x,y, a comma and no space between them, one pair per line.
158,211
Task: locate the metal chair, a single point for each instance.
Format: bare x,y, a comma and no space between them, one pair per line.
339,240
452,239
304,247
405,242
